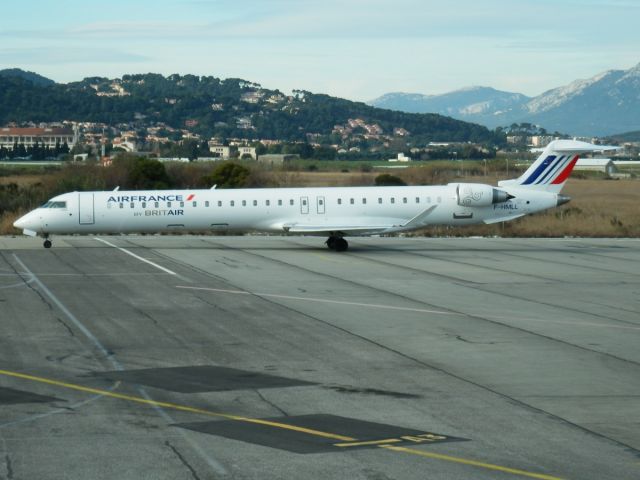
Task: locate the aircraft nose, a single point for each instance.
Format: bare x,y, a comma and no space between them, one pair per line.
21,223
26,223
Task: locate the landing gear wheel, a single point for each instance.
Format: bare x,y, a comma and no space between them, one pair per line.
47,243
337,244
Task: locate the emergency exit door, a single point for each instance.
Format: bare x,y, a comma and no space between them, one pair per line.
304,205
86,212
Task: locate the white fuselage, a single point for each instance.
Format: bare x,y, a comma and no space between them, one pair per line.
341,211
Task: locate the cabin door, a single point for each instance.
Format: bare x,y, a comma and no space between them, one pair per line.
304,205
86,215
320,205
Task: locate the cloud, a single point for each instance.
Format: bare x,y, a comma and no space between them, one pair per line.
58,55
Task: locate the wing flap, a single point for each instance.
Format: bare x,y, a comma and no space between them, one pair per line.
298,228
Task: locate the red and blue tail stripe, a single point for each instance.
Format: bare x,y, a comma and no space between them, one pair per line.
552,170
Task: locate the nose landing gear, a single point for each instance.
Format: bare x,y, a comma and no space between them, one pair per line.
47,243
337,244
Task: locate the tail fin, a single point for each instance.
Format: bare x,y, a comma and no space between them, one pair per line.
553,167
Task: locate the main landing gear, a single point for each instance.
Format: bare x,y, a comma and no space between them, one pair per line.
47,242
337,244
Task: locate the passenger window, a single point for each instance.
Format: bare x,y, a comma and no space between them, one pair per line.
267,203
132,205
291,202
417,199
168,204
352,201
219,203
393,200
380,200
122,205
244,203
364,201
181,204
195,204
255,203
279,203
339,201
144,204
206,203
232,203
404,200
156,205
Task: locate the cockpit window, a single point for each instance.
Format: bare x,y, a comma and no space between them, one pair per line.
51,204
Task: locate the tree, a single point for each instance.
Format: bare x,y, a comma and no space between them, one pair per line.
147,174
228,175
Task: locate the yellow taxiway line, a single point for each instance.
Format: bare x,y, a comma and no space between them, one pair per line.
466,461
349,441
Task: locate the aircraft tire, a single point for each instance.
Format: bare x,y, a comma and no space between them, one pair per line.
341,245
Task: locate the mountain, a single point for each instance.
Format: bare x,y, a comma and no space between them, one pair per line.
482,105
30,76
227,108
605,104
626,137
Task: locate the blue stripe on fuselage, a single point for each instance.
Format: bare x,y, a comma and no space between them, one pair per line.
538,171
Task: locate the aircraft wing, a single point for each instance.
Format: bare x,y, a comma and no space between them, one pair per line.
416,222
344,229
503,219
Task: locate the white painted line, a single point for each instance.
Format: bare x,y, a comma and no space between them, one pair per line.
322,300
111,358
160,267
409,309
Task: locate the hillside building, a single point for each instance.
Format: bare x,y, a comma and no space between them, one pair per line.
219,150
250,151
400,158
28,137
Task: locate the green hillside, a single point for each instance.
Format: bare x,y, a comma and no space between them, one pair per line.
219,107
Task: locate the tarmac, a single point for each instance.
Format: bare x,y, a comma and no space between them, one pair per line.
266,357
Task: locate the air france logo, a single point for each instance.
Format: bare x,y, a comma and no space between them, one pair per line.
148,198
155,212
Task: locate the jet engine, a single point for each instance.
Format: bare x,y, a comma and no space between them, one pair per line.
479,195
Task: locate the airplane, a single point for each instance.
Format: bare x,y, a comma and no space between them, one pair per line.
336,212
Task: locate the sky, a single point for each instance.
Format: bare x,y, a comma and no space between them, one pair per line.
355,49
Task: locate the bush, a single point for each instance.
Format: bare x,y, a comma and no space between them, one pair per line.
388,180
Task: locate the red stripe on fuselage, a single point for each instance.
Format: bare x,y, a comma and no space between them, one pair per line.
566,172
190,197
